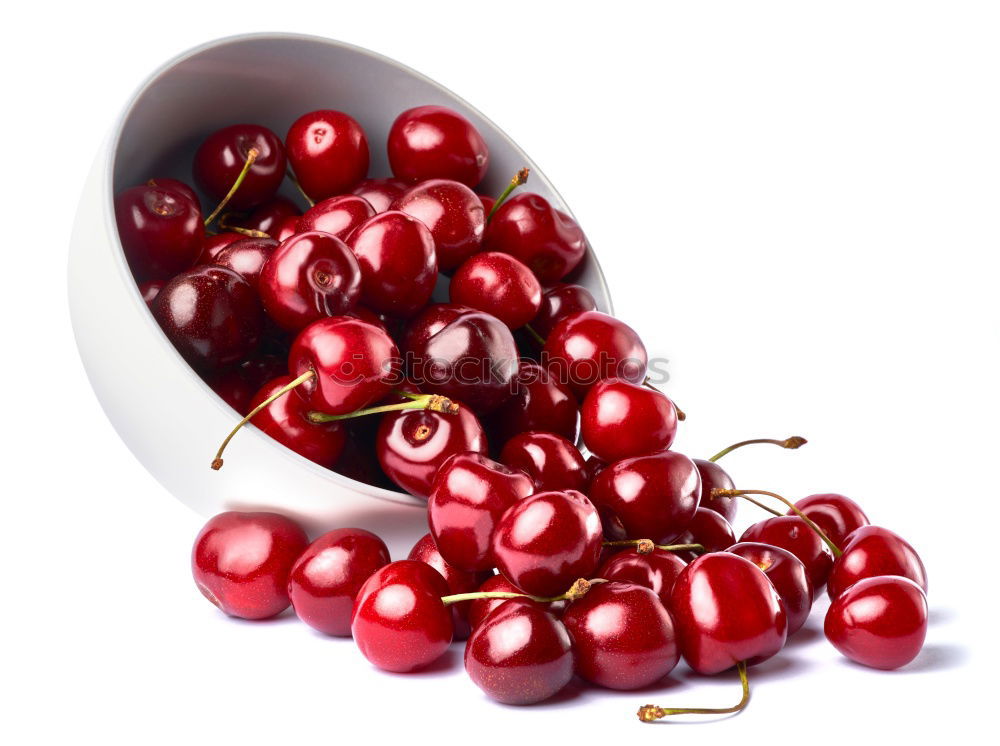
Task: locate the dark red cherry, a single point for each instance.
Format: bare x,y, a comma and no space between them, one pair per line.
434,142
399,621
539,402
338,216
287,228
647,497
211,315
547,240
380,193
879,622
178,187
725,611
792,533
870,551
469,495
481,608
329,574
212,245
459,581
453,214
149,290
499,285
398,263
591,346
709,529
520,654
715,477
285,420
619,420
160,230
488,202
657,570
835,514
551,461
788,576
223,155
269,217
246,258
237,386
241,562
328,152
623,637
558,302
309,277
548,540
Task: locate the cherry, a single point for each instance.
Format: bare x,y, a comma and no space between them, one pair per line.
619,420
520,654
480,608
879,622
399,621
211,315
558,302
212,245
222,158
788,576
149,291
237,386
246,257
453,214
285,419
241,562
709,529
287,228
459,581
179,188
539,402
794,534
328,152
870,551
590,346
498,284
398,262
160,231
380,193
545,239
488,202
656,570
434,142
469,495
329,574
338,216
651,496
551,461
545,541
726,611
309,277
715,477
835,514
623,637
269,216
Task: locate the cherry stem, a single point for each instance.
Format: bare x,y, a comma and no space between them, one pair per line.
645,546
576,591
217,462
819,532
521,177
649,713
796,441
251,157
292,178
680,414
226,226
433,402
538,337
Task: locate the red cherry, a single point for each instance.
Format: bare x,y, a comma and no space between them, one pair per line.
241,562
591,346
149,291
380,193
285,420
160,230
623,637
726,611
488,202
399,621
223,156
879,622
212,245
499,285
237,386
619,420
469,495
328,576
434,142
795,535
788,576
269,217
546,541
836,515
287,228
551,461
246,258
714,477
870,551
453,214
657,570
179,188
709,529
459,581
520,654
539,402
328,152
481,608
558,302
338,216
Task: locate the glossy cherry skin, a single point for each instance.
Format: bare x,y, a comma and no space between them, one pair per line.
285,420
241,562
623,637
469,495
591,346
788,576
620,420
412,445
453,214
709,529
328,152
309,277
482,607
398,263
520,654
380,193
871,551
160,230
269,217
835,514
338,216
794,534
658,570
211,315
558,302
178,187
647,497
287,228
725,611
459,581
879,622
329,574
543,543
539,402
714,477
222,156
498,284
246,258
237,386
434,142
545,239
551,461
463,354
149,291
212,246
399,622
354,363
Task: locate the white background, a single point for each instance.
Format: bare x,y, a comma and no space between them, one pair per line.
794,202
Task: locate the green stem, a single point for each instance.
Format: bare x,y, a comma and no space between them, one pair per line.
538,337
649,713
292,178
578,590
249,232
433,402
645,546
796,441
251,157
521,177
819,532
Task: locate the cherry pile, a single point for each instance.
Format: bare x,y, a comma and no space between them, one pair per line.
566,538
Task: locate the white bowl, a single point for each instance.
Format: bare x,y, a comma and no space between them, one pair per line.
170,419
